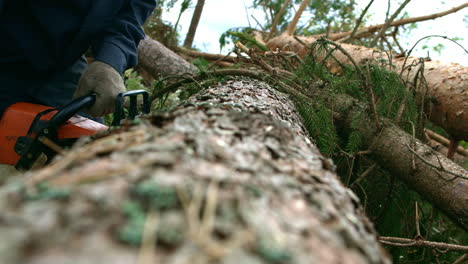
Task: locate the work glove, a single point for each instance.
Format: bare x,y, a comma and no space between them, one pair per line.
106,82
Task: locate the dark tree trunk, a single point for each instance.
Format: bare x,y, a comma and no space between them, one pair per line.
194,24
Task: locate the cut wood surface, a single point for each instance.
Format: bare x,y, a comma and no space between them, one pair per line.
229,177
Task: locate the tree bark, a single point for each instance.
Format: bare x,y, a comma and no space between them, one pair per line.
194,24
444,183
446,82
229,177
159,61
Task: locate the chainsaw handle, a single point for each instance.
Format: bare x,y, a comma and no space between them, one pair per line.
71,109
119,112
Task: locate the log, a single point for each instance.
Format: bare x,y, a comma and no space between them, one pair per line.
435,177
229,177
160,61
446,82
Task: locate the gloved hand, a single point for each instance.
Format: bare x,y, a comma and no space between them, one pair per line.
106,82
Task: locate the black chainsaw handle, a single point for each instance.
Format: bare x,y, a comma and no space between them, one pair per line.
71,109
119,112
83,102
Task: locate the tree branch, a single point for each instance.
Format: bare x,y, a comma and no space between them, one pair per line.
277,19
405,242
208,56
371,29
444,141
292,27
358,23
388,22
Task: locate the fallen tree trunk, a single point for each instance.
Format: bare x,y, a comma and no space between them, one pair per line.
160,61
229,177
432,175
446,82
424,177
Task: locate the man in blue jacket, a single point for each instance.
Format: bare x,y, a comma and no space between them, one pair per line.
42,43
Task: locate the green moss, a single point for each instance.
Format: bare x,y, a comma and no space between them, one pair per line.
46,192
132,231
157,196
272,252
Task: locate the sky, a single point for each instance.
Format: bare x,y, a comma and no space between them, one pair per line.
221,15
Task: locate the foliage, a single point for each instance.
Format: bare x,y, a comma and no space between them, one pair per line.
133,81
324,16
389,89
243,35
319,123
389,203
164,31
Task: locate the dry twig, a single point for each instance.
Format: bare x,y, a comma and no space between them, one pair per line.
405,242
388,22
440,169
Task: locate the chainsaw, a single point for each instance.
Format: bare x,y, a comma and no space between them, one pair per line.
29,131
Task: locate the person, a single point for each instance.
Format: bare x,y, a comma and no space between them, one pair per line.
43,42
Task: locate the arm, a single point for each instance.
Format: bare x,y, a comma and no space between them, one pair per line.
119,44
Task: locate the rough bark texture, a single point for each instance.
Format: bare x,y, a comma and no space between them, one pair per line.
271,196
447,82
391,147
158,60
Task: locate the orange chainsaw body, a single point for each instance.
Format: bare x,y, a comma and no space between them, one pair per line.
17,119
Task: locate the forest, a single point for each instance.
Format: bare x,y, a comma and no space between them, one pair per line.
319,140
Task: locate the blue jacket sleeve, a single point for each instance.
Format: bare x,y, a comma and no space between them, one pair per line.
118,45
